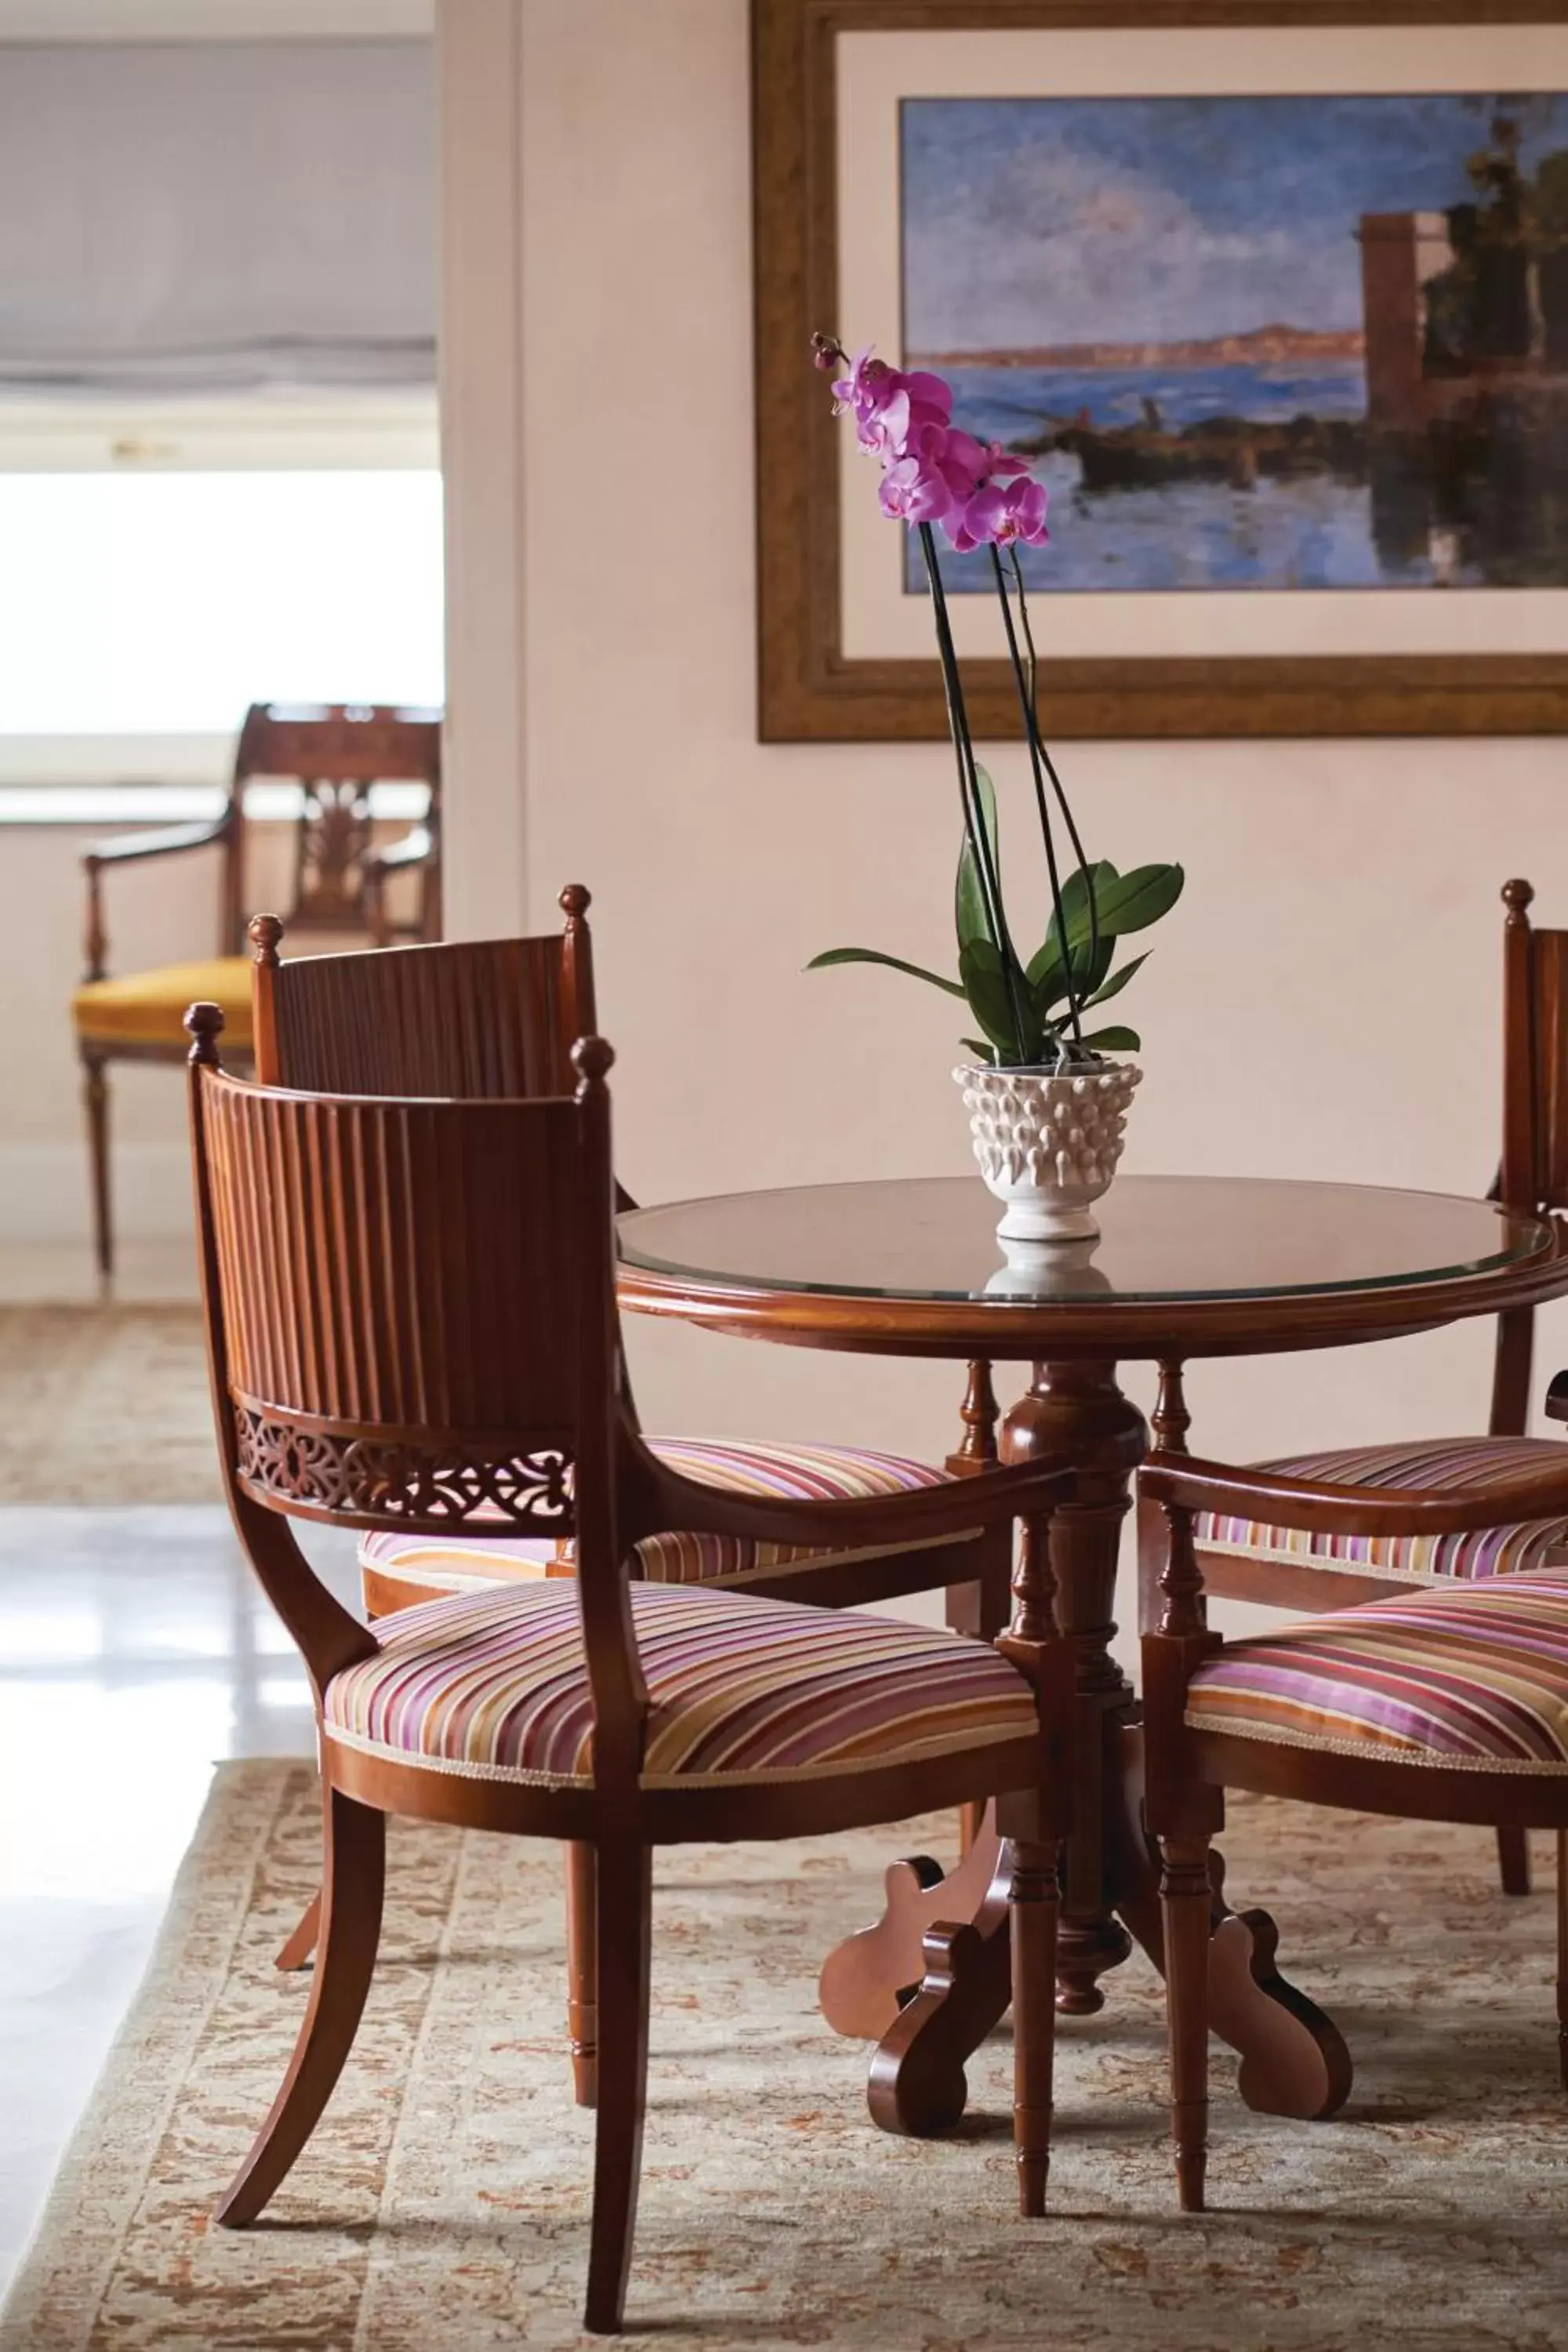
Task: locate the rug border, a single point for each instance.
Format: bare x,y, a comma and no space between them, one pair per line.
147,2059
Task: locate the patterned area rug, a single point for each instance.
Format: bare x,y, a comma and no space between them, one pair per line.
105,1404
442,2203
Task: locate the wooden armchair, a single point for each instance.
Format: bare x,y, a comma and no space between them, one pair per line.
474,1366
1450,1704
1253,1558
479,1019
340,886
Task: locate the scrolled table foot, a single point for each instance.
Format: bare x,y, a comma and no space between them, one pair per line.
1294,2060
917,2084
866,1980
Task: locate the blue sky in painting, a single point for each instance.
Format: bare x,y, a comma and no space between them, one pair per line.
1033,221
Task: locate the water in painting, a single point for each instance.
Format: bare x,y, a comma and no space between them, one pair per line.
1255,342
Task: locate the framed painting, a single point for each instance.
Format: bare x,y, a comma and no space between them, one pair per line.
1273,297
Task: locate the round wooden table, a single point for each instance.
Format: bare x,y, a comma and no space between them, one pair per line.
1185,1267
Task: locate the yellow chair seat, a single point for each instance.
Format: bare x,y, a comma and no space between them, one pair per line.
148,1008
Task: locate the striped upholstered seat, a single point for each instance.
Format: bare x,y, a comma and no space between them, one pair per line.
1474,1677
492,1685
1442,1466
399,1569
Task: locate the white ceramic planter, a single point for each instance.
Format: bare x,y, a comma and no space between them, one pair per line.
1048,1143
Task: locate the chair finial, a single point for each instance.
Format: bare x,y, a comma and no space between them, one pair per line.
574,903
204,1023
592,1058
1516,897
263,931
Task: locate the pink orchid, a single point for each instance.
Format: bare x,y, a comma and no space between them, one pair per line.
888,406
1024,513
998,514
913,491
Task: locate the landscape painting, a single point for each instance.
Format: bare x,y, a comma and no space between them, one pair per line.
1287,342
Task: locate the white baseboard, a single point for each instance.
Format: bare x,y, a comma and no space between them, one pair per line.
44,1193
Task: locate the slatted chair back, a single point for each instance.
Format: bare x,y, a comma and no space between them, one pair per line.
335,752
482,1017
411,1319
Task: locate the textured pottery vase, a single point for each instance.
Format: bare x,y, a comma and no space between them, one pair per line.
1048,1143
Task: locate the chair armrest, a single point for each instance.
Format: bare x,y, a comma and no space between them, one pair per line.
413,854
415,848
166,842
1318,1507
1556,1406
666,1499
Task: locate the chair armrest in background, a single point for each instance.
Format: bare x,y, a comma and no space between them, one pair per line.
957,1507
1318,1507
166,840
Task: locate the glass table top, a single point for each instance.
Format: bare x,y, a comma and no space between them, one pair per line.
1163,1238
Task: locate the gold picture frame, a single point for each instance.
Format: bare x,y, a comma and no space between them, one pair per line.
810,688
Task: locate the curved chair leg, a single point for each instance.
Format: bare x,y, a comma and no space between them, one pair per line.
1184,1893
354,1838
1513,1860
302,1942
625,1875
583,1972
95,1101
1034,1898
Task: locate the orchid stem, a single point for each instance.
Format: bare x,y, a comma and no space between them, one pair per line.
969,791
1043,804
1032,718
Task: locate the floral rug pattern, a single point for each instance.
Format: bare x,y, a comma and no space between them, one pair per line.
443,2201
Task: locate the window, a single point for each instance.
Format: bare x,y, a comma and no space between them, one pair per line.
157,603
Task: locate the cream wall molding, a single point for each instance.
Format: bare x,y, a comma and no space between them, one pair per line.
478,80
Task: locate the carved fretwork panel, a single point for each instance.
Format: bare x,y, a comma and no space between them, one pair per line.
331,847
280,1461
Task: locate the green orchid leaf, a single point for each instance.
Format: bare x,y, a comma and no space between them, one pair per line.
1114,986
1135,900
1122,902
1088,971
1113,1041
1075,906
984,981
978,1049
893,963
1075,894
969,898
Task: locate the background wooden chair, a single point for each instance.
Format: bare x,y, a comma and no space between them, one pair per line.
472,1362
340,886
479,1019
1446,1703
1330,1566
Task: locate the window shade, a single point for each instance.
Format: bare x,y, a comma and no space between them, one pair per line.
197,216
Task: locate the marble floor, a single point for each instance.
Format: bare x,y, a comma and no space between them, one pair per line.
135,1651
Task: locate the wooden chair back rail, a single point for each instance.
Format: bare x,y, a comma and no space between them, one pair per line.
335,752
341,874
1533,1174
380,1286
397,1345
483,1018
